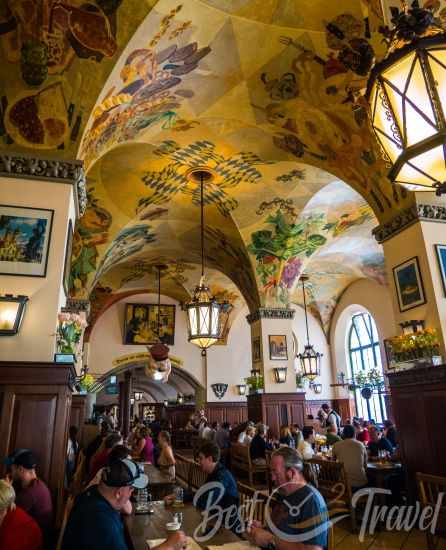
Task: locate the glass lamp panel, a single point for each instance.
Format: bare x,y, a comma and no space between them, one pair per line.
417,128
398,73
437,63
409,175
8,314
383,127
396,103
431,162
192,314
214,319
204,320
418,93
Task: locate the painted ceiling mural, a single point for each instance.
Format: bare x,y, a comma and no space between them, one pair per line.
266,94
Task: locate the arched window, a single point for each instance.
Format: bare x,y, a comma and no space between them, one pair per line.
364,354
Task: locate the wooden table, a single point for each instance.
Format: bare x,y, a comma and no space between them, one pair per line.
153,526
160,483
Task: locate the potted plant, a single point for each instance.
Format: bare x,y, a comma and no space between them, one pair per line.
420,345
255,383
86,383
300,380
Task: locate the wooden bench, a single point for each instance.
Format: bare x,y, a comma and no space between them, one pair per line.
429,489
241,460
253,503
188,472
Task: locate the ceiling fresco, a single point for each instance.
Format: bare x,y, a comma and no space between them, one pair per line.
267,94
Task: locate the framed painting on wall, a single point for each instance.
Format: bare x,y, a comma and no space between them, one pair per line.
67,263
25,235
277,347
440,249
141,324
256,350
409,285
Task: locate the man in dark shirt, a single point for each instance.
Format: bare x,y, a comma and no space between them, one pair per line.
299,514
226,497
31,492
258,446
378,442
95,520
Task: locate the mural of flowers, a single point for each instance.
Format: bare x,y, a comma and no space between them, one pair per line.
69,332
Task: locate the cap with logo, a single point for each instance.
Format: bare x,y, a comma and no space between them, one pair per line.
124,473
21,457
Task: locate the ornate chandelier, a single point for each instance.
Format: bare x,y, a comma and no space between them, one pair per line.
406,93
310,359
203,311
159,366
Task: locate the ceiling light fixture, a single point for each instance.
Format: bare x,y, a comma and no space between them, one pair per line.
310,359
406,93
203,311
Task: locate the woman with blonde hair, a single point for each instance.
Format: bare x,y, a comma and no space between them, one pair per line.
166,460
249,434
285,436
18,530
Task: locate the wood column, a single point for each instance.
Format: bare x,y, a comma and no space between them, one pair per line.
277,409
77,415
127,390
121,407
35,407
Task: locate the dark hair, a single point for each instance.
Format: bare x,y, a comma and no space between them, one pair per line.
325,407
143,432
73,432
119,452
105,426
388,424
226,425
112,440
310,417
356,424
208,448
307,431
348,432
214,425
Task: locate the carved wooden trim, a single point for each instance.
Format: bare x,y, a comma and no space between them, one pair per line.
56,170
417,375
270,313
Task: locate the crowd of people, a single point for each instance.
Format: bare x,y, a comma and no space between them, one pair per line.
104,476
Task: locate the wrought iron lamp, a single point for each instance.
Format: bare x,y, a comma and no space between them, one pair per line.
241,389
180,399
203,311
166,403
316,387
219,389
280,374
138,396
12,309
310,359
411,327
406,93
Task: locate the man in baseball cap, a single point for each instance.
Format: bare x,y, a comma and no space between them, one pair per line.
32,494
95,520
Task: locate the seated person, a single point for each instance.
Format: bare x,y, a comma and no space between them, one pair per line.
143,447
32,495
378,442
306,528
93,447
166,459
95,520
100,459
296,435
353,455
390,433
285,436
362,433
249,435
18,530
258,446
305,447
332,434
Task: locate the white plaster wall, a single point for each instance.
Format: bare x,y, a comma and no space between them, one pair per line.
362,295
320,344
36,339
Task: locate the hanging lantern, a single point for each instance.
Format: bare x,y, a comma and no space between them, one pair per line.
407,98
310,359
203,311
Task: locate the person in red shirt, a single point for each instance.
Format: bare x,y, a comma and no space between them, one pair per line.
362,433
18,530
100,459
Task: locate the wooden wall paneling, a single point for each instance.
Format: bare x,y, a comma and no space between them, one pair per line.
277,409
234,412
77,415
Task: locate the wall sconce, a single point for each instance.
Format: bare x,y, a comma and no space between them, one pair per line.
280,374
411,327
219,389
132,401
255,372
316,387
12,309
180,399
138,396
166,403
241,389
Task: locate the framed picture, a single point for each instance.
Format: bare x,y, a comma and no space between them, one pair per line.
25,235
277,347
141,324
389,353
256,350
67,264
440,249
409,285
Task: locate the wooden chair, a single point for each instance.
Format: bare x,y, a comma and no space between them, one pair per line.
66,514
241,460
182,469
197,477
429,489
253,503
334,486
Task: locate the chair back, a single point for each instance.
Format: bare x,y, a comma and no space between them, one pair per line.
252,503
66,515
197,477
240,455
429,488
331,480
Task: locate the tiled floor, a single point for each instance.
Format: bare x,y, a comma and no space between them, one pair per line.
383,540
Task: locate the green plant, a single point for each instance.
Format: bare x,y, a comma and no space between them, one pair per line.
360,378
86,382
255,382
374,376
424,343
300,380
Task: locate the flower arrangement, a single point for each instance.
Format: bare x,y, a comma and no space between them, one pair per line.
255,382
69,332
86,382
424,343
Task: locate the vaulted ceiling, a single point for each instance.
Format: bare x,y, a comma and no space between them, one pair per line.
266,93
